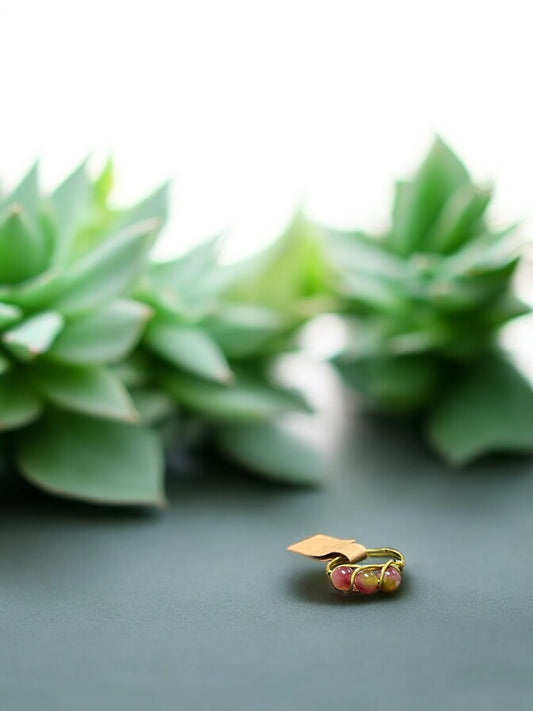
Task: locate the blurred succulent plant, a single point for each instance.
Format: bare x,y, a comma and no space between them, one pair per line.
423,305
102,352
67,266
210,354
105,355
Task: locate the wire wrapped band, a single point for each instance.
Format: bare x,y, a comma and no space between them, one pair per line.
345,569
370,577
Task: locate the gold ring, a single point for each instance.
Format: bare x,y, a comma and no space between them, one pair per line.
344,568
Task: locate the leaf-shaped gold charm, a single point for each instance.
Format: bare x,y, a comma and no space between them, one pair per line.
322,547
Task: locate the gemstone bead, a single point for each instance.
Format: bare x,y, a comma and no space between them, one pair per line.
366,582
391,580
341,578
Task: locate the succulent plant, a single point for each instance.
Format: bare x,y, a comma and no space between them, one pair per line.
423,305
67,267
213,346
107,356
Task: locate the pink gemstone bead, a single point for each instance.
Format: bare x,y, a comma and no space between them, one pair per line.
391,580
366,582
341,578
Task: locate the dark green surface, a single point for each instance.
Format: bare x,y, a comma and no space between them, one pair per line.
200,607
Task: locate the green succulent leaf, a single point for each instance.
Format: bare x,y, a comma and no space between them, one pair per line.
242,330
105,336
70,203
461,295
367,294
5,364
192,284
107,272
19,404
93,391
33,336
247,399
37,293
505,309
26,194
152,405
488,408
393,384
489,254
9,314
459,216
92,460
273,449
288,272
22,247
419,203
103,185
184,272
154,208
360,254
136,371
188,347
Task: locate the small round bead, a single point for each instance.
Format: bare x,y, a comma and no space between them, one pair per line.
341,578
366,582
391,580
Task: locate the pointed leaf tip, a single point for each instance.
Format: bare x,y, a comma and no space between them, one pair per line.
33,336
190,348
92,460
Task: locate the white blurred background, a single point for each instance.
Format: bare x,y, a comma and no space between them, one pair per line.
253,107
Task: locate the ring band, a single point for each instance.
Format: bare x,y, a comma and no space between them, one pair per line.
368,578
343,568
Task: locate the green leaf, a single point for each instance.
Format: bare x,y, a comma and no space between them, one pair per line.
105,336
490,253
103,185
33,336
184,272
70,203
152,405
275,450
5,364
22,248
419,203
361,254
92,460
107,272
26,193
370,338
247,399
487,409
505,309
19,404
242,330
454,225
36,293
368,275
400,209
92,391
47,228
153,208
8,314
137,370
368,293
188,347
190,284
394,384
290,270
461,294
